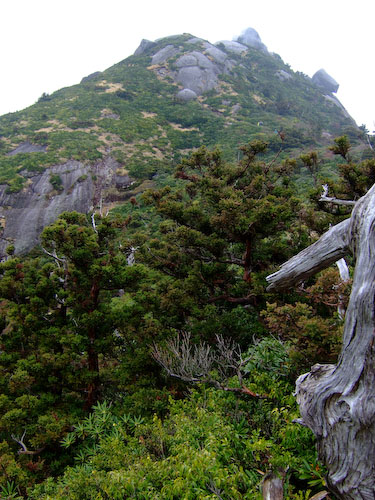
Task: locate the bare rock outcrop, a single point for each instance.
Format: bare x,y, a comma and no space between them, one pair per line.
325,82
27,147
282,75
186,95
165,53
232,46
23,215
90,77
143,46
197,73
251,38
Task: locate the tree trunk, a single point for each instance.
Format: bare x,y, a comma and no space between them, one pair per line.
273,487
337,402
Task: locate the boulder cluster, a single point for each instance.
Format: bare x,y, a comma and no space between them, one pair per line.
197,71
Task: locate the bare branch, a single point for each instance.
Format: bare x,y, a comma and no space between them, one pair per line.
54,256
194,363
131,257
93,222
24,450
336,201
369,142
345,277
331,247
211,487
198,255
181,359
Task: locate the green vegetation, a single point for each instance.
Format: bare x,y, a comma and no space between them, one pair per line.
131,111
86,411
210,443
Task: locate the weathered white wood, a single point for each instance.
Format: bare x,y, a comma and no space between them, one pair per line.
345,277
343,270
337,402
331,199
331,247
272,487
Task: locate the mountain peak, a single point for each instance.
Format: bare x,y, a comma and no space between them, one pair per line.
250,37
324,81
106,139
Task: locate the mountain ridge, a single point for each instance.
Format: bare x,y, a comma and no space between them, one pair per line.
122,127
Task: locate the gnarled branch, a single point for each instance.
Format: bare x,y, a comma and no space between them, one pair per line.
331,247
24,450
336,201
337,401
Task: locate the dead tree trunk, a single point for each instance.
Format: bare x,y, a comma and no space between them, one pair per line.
337,402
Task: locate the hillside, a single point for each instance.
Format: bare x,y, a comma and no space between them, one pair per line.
105,139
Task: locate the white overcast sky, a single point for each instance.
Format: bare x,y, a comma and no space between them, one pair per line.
50,44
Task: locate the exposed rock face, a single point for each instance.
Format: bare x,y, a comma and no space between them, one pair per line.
187,60
333,99
23,215
235,109
251,38
235,47
325,82
195,39
27,147
143,46
107,113
283,75
163,54
197,72
90,77
217,55
186,95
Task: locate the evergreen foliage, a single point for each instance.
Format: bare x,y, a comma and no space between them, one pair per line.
85,412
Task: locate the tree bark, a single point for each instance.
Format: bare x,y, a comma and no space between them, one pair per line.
337,402
273,486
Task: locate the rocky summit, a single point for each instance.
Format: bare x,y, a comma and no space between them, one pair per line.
99,142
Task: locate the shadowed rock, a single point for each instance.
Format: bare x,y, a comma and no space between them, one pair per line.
143,46
231,46
25,214
197,79
218,55
324,81
163,54
186,95
197,72
251,38
27,147
283,75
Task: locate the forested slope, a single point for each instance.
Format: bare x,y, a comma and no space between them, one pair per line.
141,355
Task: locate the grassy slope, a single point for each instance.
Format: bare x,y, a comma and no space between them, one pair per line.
129,111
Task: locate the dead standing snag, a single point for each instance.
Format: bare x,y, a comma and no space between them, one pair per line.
337,402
